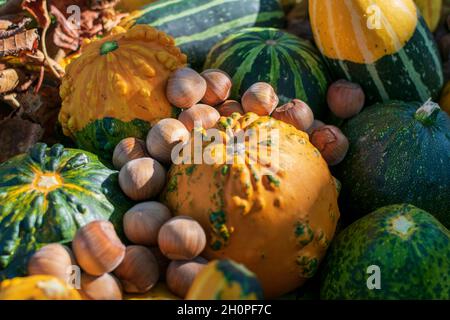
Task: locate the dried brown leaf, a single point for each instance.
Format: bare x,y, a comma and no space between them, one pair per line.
21,43
38,9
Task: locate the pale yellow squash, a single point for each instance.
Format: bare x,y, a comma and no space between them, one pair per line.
40,287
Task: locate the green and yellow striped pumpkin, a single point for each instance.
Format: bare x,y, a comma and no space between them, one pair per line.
291,65
384,45
46,195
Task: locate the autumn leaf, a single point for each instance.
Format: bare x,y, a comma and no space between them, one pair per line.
23,42
38,9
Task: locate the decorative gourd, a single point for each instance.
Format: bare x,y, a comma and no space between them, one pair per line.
39,287
197,25
46,195
431,12
444,102
410,248
382,45
291,65
276,215
225,280
116,88
399,153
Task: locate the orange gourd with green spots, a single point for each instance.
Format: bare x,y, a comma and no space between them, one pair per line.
277,217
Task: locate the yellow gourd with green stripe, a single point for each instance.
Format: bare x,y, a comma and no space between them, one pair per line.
225,280
41,287
117,88
384,45
431,12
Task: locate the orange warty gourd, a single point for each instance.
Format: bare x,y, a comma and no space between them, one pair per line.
116,88
277,218
39,287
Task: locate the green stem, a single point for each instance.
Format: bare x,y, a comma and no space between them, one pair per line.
108,47
427,114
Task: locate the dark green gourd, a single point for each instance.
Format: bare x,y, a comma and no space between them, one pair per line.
46,195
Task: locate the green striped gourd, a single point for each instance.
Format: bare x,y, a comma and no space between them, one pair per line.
383,45
399,152
197,25
46,195
396,252
291,65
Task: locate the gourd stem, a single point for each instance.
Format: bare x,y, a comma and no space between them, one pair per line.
108,47
427,114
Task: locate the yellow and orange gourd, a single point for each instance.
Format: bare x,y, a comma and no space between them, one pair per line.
39,287
116,88
277,218
383,45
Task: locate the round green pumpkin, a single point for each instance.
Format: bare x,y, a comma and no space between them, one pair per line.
399,251
399,152
291,65
46,195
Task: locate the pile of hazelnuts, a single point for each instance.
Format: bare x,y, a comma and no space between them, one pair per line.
163,248
204,98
